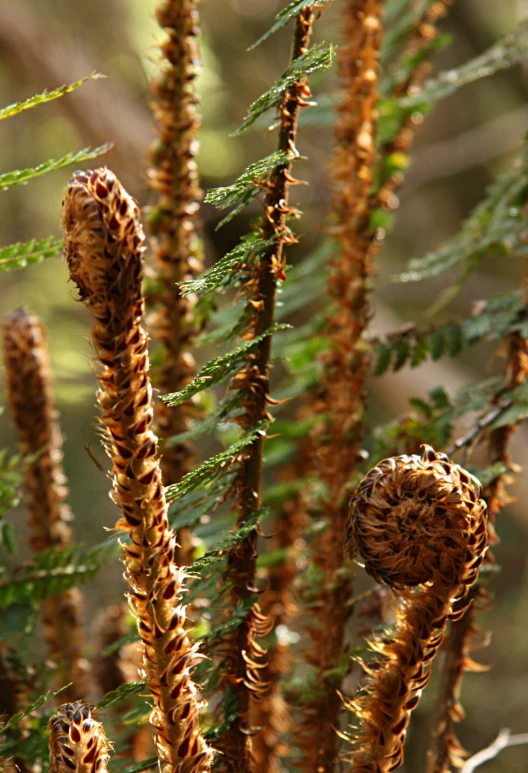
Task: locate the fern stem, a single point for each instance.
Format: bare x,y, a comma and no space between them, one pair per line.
420,36
77,742
420,527
341,398
272,713
104,248
172,220
242,654
445,750
30,398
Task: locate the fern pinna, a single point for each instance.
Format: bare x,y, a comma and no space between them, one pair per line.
244,650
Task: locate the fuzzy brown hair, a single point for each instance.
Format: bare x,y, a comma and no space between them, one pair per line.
416,523
104,249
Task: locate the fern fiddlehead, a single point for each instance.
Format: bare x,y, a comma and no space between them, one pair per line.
28,382
420,527
77,741
173,224
104,249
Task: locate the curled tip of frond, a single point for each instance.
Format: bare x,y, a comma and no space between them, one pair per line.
419,519
77,742
414,521
102,234
104,246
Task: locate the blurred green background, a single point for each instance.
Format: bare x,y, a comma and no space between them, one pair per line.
462,145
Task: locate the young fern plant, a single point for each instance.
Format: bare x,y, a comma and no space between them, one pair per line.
418,523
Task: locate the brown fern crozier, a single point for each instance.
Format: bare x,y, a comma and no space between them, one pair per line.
29,392
419,526
104,248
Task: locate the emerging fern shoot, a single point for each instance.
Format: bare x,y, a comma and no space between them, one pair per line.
77,741
417,523
104,248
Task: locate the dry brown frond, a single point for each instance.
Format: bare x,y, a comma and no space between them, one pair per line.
174,178
30,399
77,742
104,248
419,526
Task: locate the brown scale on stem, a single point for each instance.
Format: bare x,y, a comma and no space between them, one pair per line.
341,397
104,247
28,382
173,218
77,741
342,393
419,526
242,655
445,751
271,712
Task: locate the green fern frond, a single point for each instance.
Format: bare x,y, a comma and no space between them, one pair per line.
54,571
213,558
509,51
286,15
226,272
245,187
23,254
495,227
23,176
320,56
220,368
45,96
216,466
500,316
36,704
122,693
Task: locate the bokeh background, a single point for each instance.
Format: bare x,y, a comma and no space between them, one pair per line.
467,140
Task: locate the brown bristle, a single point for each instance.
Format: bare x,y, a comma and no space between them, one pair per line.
104,247
413,522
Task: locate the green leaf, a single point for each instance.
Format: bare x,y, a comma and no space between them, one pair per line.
383,362
247,185
22,176
402,350
517,412
494,228
8,538
40,701
122,693
284,16
54,571
213,557
216,466
507,52
24,253
220,368
224,273
45,96
317,57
